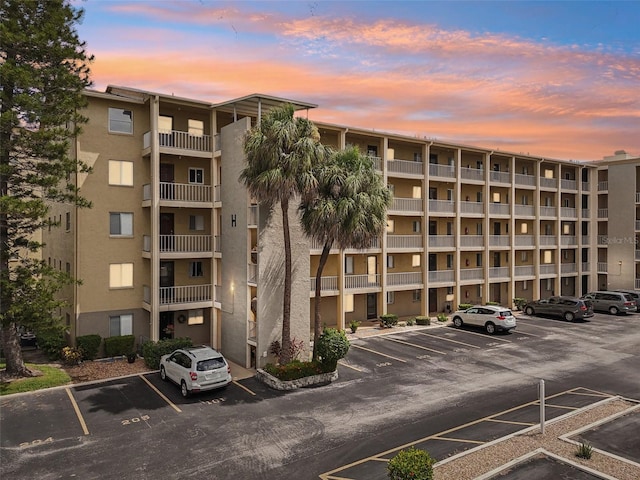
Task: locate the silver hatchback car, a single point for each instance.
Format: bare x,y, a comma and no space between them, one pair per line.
493,318
195,369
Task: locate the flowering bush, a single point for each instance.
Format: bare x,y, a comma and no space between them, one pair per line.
411,464
71,355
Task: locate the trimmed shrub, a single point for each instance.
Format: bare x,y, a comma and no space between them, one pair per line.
493,303
353,325
89,346
152,351
296,369
411,322
411,464
442,317
520,302
421,320
464,306
51,342
332,346
122,345
388,320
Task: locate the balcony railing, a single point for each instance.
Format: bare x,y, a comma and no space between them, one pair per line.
547,269
472,207
547,211
525,210
568,240
180,140
185,243
637,224
524,270
499,240
404,241
528,180
252,219
377,162
568,184
637,283
441,276
252,331
406,205
585,240
185,294
568,212
405,166
586,266
603,240
637,197
498,272
548,240
472,174
216,244
586,213
442,241
444,171
180,192
472,274
586,187
637,254
362,281
568,268
603,186
327,284
404,278
217,193
602,267
548,182
500,177
524,240
499,208
471,241
252,273
603,213
442,206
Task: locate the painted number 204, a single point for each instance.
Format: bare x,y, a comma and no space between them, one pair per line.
33,443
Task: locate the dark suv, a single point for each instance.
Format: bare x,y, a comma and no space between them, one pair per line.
569,308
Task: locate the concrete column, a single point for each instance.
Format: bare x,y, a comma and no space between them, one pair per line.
154,316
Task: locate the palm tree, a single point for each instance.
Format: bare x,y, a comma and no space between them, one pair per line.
348,210
281,152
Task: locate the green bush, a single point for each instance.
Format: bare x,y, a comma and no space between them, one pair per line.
520,302
442,317
411,464
89,346
464,306
121,345
422,320
584,450
152,351
411,322
296,369
51,342
493,303
388,320
354,324
332,346
71,355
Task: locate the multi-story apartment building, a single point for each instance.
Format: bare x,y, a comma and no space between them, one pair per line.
174,245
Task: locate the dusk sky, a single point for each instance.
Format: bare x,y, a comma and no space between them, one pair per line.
553,79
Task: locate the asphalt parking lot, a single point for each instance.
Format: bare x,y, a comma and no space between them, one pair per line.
443,389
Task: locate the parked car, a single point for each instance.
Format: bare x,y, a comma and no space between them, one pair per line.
569,308
635,294
612,302
493,318
195,369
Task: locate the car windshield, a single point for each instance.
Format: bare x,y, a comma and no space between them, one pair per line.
628,297
210,364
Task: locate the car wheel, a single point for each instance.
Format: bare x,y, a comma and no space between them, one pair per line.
163,374
568,316
457,322
613,310
490,328
183,389
529,311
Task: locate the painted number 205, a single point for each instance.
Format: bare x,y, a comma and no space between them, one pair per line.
135,420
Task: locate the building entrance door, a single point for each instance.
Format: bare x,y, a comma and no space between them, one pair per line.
166,232
372,305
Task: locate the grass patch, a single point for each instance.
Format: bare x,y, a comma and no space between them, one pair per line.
51,377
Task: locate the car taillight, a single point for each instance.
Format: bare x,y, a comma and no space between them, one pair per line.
193,375
629,303
582,307
501,317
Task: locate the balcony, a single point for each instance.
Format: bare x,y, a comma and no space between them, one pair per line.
586,266
474,174
568,268
637,225
404,242
548,182
180,295
177,140
637,197
547,269
586,240
406,205
442,241
568,184
413,279
637,283
637,252
500,177
603,240
180,243
546,211
525,211
180,192
525,180
377,162
524,241
524,271
252,273
498,272
366,281
442,206
499,208
603,213
586,187
586,213
602,267
328,285
405,167
471,240
568,240
441,276
568,212
472,274
499,240
548,240
603,186
442,171
473,208
252,217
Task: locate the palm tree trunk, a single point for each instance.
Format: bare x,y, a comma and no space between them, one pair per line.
317,320
15,366
285,356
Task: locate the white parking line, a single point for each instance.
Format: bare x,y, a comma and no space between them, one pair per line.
173,405
526,333
414,345
447,339
492,337
379,353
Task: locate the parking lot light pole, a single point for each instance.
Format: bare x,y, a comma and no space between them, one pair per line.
541,390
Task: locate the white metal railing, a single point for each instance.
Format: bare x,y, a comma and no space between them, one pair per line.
146,140
146,243
498,272
217,193
185,192
586,213
568,212
404,278
548,240
547,211
525,210
568,184
404,241
637,254
146,191
568,268
586,266
603,240
441,276
602,267
547,269
251,329
445,171
327,284
472,274
406,204
500,177
524,240
585,239
362,281
499,208
472,207
436,241
185,243
603,213
217,292
569,240
499,240
216,244
375,243
184,141
637,197
637,224
528,180
185,294
253,215
146,294
471,241
442,206
586,187
472,174
252,273
548,182
524,270
377,162
405,166
603,186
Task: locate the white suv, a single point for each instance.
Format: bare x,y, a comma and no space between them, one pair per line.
492,318
195,369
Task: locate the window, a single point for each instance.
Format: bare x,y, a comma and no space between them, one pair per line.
479,197
391,297
391,225
68,221
524,285
196,317
196,175
478,259
120,173
417,157
121,224
546,256
68,319
417,295
195,269
120,275
196,127
390,262
416,226
196,222
417,192
348,265
548,173
433,193
524,228
449,261
549,284
348,303
120,120
120,325
566,229
525,200
165,124
496,197
415,260
524,256
68,268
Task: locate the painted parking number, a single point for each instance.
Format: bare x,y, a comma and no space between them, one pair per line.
130,421
384,364
38,441
213,401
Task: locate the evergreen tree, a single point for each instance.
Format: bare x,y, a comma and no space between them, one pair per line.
43,71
